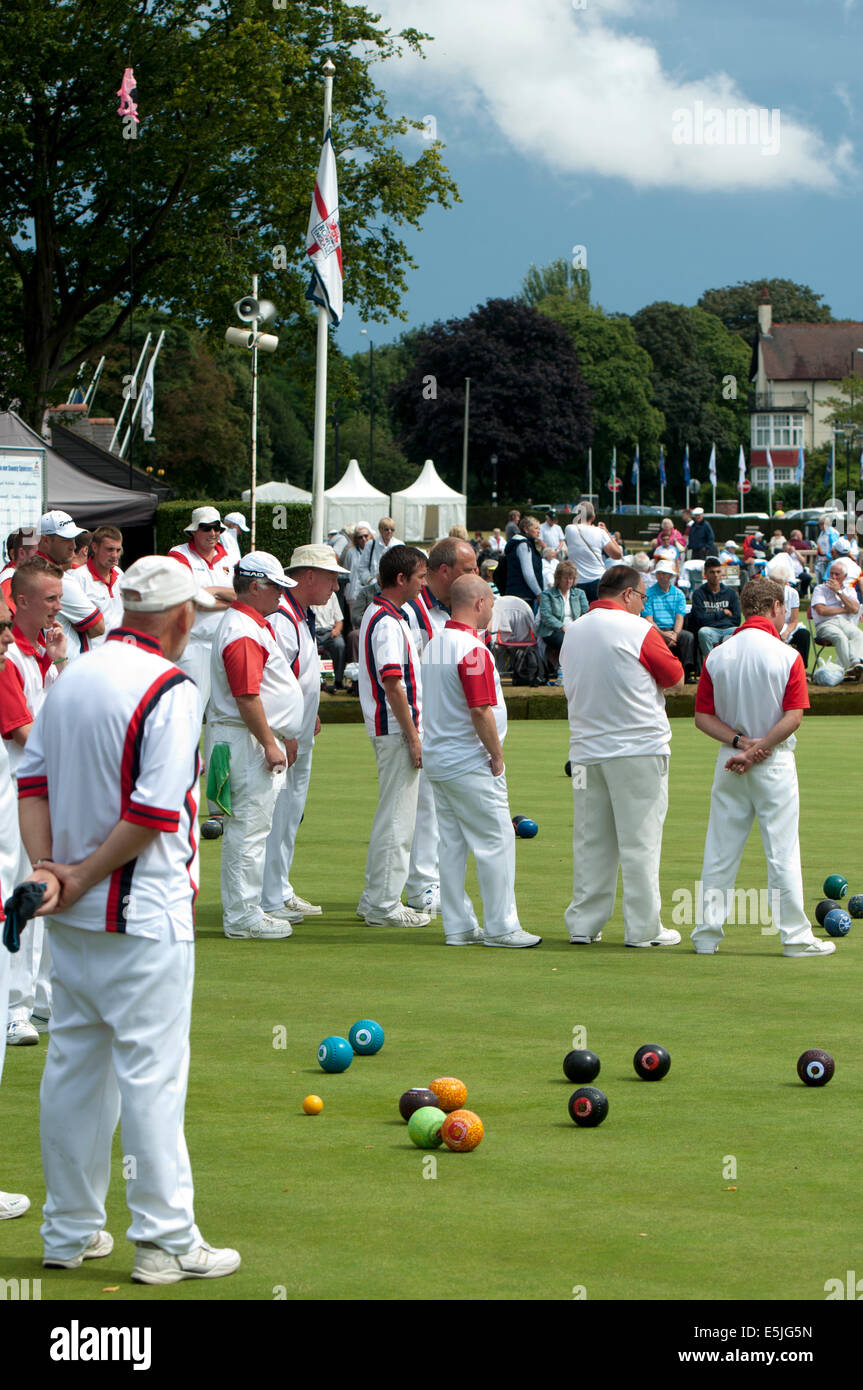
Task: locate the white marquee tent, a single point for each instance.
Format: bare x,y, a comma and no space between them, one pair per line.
278,492
428,508
353,499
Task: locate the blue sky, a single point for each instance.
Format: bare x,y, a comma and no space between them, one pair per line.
568,126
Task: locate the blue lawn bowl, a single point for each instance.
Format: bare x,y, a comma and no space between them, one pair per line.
855,905
335,1054
366,1037
837,922
524,827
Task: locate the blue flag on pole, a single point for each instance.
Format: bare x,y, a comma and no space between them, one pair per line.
635,465
686,471
829,471
662,477
801,465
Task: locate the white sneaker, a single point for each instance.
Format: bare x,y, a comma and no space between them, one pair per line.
21,1033
474,938
13,1204
666,937
402,917
264,930
298,904
284,914
41,1023
156,1266
99,1245
513,938
811,948
585,940
428,901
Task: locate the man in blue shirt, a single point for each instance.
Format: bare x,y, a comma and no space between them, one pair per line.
665,607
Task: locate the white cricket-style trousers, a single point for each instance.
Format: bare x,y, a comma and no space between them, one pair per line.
282,839
846,637
618,817
393,826
473,818
768,792
254,790
119,1049
423,870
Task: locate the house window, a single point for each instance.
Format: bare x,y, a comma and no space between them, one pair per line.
780,476
778,431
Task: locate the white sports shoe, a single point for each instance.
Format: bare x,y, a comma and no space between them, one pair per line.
156,1266
429,900
99,1245
21,1033
41,1023
298,904
585,940
811,948
13,1204
666,937
402,917
265,930
513,938
284,914
474,938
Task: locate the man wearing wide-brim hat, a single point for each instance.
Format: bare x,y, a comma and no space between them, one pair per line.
316,573
211,565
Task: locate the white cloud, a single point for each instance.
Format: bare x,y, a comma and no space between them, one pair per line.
564,87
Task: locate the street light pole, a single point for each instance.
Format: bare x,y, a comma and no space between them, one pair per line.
493,462
365,333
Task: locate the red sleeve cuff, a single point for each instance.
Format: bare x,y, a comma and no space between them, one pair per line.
152,817
89,621
704,702
32,786
393,669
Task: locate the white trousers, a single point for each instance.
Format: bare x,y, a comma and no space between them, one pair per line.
846,637
282,839
244,840
393,826
119,1049
423,871
473,818
768,792
619,810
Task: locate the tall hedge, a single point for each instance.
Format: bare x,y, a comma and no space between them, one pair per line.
278,528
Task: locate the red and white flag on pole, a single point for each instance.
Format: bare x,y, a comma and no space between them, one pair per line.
323,239
127,106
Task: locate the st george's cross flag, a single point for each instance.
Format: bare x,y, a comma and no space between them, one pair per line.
323,239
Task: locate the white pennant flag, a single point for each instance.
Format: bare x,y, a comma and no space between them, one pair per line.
712,466
771,477
323,239
147,398
741,469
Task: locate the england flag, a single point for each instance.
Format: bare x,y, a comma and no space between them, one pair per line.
323,239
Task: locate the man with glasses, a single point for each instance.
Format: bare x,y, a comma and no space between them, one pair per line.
616,672
210,563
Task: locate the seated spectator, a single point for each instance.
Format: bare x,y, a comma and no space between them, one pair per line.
807,550
486,571
496,541
669,535
824,543
835,609
715,608
549,565
781,570
665,608
667,553
641,562
328,635
800,576
777,542
754,548
459,533
559,607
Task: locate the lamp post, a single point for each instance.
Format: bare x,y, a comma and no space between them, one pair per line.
493,462
365,333
252,311
847,441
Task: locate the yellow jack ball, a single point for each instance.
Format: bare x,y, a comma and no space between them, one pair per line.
313,1105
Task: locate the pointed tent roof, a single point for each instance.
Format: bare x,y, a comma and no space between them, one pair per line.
353,487
430,487
277,492
67,488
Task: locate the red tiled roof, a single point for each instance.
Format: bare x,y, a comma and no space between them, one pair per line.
811,351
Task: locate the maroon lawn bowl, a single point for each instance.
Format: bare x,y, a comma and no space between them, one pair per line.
415,1099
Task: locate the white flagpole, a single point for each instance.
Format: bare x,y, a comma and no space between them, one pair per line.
138,403
466,429
590,473
637,482
320,437
256,325
133,390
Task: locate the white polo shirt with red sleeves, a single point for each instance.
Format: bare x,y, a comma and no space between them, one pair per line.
25,680
295,633
118,740
751,679
458,675
105,593
247,660
615,668
78,613
212,573
387,648
427,616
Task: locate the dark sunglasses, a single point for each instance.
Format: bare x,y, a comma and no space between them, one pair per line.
211,526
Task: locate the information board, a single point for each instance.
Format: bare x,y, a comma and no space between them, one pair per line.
21,488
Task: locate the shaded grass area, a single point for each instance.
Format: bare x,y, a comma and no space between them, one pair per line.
728,1179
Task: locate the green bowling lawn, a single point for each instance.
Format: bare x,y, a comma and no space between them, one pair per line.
728,1179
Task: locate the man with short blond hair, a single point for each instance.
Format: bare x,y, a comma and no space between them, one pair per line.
100,576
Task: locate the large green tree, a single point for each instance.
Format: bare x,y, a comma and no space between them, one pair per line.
219,177
529,403
737,305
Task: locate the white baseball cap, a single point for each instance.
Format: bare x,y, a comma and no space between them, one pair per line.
698,511
842,546
204,516
316,557
238,520
158,582
259,564
665,567
59,524
731,545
